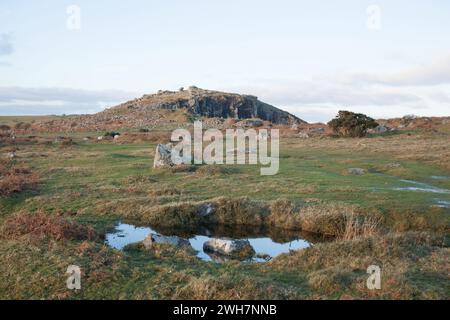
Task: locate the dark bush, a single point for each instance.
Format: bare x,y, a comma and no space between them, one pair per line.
350,124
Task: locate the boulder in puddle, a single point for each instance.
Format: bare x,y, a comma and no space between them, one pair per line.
172,240
229,247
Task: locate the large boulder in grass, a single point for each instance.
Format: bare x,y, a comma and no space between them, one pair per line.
163,156
172,240
229,247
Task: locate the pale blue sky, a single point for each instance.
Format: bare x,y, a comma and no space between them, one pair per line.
311,58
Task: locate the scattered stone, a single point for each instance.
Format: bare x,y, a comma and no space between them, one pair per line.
379,129
393,165
303,135
316,130
356,171
100,138
172,240
229,247
11,155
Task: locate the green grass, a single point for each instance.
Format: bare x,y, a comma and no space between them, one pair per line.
82,178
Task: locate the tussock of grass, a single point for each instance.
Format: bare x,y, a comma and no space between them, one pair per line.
164,191
162,250
227,287
236,211
337,220
283,213
171,215
338,268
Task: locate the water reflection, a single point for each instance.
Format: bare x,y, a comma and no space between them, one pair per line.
266,242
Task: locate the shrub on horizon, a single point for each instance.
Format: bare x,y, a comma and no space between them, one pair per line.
350,124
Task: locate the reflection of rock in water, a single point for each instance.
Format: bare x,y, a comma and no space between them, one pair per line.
172,240
237,249
278,235
219,258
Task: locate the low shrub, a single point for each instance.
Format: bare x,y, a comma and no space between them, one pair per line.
41,224
15,178
350,124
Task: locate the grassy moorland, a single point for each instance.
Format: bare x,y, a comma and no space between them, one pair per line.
396,215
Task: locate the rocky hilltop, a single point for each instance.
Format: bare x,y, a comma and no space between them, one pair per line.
208,103
175,108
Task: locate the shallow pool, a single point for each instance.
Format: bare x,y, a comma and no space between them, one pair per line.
269,243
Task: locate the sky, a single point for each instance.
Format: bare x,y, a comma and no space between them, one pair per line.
385,58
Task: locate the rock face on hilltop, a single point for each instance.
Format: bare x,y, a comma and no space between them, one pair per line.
208,103
173,108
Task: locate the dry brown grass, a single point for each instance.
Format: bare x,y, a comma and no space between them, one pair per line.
338,269
283,213
138,137
168,215
41,224
15,178
336,220
432,148
164,191
237,211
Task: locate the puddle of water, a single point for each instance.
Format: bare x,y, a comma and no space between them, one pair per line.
421,187
277,243
439,178
442,204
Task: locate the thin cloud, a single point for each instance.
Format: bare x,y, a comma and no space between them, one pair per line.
432,74
34,101
6,45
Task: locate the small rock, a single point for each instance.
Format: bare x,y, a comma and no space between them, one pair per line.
100,138
11,155
379,129
303,135
356,171
172,240
229,247
116,137
393,165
